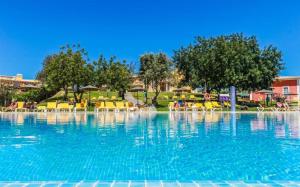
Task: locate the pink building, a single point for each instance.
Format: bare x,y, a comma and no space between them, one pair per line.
284,86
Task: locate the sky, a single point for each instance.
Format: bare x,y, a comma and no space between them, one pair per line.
31,29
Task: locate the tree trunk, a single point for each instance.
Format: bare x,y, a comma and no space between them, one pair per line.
66,93
154,99
80,96
122,94
75,97
146,96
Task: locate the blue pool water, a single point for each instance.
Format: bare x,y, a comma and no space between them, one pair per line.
156,146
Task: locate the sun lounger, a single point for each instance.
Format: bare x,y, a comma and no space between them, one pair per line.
63,107
189,106
208,106
260,108
80,107
198,107
129,107
40,109
227,104
279,107
216,105
120,106
20,106
192,97
99,106
110,106
51,106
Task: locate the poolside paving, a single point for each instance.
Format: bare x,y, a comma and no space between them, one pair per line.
150,184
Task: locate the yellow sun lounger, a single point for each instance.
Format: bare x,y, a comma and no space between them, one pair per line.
51,106
120,106
40,109
198,107
216,105
80,106
227,104
192,97
209,106
189,106
63,107
109,106
20,106
130,107
99,106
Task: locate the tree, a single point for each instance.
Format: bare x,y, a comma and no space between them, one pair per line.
154,70
67,68
80,73
119,76
100,69
6,94
224,61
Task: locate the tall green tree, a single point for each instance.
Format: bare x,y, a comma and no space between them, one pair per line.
100,69
67,68
224,61
154,70
119,76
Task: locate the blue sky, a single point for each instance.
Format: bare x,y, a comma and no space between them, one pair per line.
31,29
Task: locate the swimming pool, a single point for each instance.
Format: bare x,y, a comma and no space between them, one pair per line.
149,146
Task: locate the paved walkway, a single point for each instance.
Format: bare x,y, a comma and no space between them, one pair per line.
129,97
149,183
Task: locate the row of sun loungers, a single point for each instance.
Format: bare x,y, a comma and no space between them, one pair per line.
278,107
207,106
66,107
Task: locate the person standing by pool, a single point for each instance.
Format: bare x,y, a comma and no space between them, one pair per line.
267,100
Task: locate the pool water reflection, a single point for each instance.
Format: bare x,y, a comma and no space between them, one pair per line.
149,146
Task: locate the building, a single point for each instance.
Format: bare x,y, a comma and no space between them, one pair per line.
166,86
283,86
18,82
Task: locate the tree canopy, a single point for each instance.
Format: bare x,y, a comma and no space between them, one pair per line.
154,69
68,68
224,61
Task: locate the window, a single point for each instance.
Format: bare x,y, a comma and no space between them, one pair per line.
285,90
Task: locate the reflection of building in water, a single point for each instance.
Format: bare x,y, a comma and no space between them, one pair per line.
41,116
80,118
280,131
120,117
293,122
295,129
258,123
211,117
51,118
20,119
64,118
285,125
